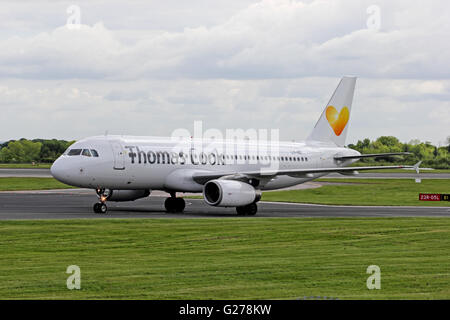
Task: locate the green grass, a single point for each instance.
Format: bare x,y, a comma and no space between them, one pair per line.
238,258
25,166
383,192
20,183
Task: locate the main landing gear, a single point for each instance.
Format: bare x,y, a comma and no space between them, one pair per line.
248,210
174,204
100,207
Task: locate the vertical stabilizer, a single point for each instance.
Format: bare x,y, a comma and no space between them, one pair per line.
333,123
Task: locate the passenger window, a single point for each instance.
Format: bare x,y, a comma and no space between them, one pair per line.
94,153
74,152
86,153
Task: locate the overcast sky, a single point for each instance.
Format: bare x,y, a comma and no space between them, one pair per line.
150,67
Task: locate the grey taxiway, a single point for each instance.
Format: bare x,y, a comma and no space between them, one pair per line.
77,203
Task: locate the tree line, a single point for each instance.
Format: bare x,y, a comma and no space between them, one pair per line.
47,151
430,155
36,150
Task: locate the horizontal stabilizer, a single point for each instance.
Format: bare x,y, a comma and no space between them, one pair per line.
374,155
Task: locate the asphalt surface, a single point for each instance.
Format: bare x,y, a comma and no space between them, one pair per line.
26,173
45,173
75,204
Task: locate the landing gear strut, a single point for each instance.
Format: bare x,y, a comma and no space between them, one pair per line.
248,210
100,207
174,204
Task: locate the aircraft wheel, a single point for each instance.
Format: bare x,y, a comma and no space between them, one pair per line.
100,208
248,210
103,208
180,204
240,211
174,205
252,209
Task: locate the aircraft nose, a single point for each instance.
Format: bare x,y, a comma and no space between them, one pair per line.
57,170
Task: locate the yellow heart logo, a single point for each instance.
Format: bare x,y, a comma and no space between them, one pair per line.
337,121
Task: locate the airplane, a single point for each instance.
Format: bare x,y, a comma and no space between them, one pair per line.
229,173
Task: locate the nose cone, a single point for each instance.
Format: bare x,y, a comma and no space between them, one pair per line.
57,170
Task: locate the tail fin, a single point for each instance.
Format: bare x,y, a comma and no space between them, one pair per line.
333,123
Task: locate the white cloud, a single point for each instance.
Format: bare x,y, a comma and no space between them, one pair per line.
151,67
269,39
78,108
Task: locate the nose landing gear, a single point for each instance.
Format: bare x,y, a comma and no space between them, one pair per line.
174,204
100,207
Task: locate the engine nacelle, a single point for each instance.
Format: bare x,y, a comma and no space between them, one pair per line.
229,193
127,195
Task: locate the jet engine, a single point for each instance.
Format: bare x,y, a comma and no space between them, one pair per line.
127,195
229,193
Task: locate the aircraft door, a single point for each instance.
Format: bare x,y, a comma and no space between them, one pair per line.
119,155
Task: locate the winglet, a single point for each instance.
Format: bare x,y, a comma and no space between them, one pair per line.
416,166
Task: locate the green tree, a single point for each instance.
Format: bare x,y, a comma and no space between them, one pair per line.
389,141
21,151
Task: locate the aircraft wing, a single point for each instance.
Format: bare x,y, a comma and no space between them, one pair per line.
203,177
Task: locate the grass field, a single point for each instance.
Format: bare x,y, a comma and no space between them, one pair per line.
226,258
19,183
25,166
387,192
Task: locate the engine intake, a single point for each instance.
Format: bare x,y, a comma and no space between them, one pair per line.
229,193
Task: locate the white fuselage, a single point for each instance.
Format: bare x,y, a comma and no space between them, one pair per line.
132,163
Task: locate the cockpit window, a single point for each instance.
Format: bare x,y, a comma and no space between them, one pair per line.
94,153
86,153
74,152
